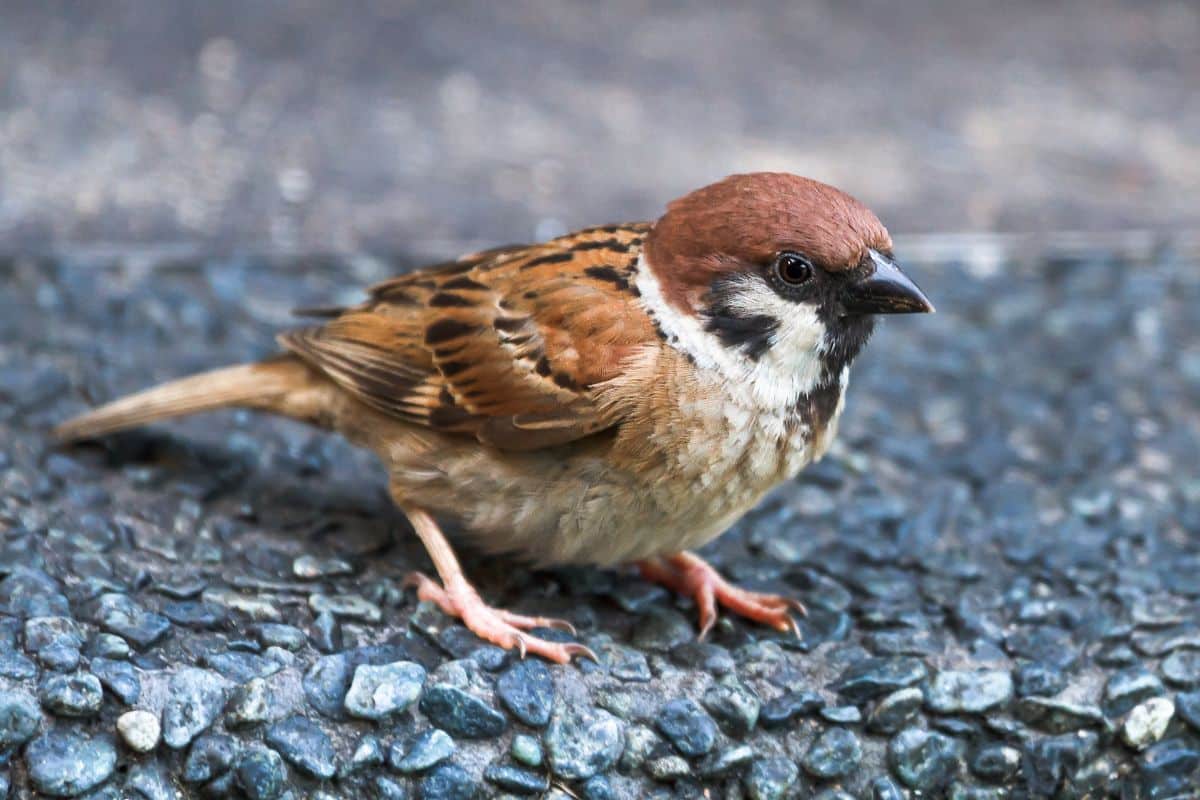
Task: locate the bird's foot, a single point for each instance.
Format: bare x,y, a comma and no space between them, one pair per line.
502,628
688,574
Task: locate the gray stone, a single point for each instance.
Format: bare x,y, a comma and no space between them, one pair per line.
66,763
195,698
426,750
302,742
119,677
450,782
734,707
1128,687
119,614
582,742
874,677
527,691
896,710
54,641
78,695
378,692
19,718
147,780
1057,716
687,726
275,634
835,754
668,768
1182,668
261,773
971,692
367,753
771,779
924,760
210,757
460,713
516,780
996,762
350,606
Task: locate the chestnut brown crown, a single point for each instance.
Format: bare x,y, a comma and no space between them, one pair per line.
742,222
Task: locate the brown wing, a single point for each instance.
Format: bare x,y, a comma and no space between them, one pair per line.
503,345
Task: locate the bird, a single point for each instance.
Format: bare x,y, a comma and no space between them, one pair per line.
620,395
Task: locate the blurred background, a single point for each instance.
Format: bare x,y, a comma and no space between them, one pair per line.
427,126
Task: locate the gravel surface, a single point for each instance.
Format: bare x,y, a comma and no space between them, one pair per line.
387,124
999,558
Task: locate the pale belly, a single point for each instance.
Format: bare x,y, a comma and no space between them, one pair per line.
572,505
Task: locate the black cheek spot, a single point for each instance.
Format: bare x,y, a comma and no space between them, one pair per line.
751,333
543,366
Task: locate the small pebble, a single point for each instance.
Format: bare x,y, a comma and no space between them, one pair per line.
210,757
195,697
835,754
377,692
78,695
581,742
140,730
526,689
65,763
687,726
771,779
19,717
427,750
460,713
527,750
449,782
1147,722
515,779
304,745
309,567
924,760
970,692
261,773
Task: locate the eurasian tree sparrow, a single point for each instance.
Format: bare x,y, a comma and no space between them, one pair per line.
619,394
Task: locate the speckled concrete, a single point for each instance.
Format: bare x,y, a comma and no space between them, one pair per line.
1000,560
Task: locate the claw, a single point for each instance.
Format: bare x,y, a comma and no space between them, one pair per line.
502,628
690,575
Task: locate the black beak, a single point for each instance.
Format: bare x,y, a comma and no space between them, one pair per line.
886,290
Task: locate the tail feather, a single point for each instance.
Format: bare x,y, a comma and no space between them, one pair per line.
265,384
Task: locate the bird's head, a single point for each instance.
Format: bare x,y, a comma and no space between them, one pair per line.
774,275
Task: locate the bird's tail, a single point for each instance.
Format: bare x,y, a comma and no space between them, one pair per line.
283,384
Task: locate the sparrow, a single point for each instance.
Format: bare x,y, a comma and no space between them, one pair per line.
621,394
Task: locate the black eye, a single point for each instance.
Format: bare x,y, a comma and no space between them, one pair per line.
792,268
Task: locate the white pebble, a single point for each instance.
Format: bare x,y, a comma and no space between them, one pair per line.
139,729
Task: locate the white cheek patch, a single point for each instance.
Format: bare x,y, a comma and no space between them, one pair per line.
791,366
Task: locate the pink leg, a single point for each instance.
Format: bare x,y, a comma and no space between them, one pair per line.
459,599
688,574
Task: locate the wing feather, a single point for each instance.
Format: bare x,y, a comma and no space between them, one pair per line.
504,345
